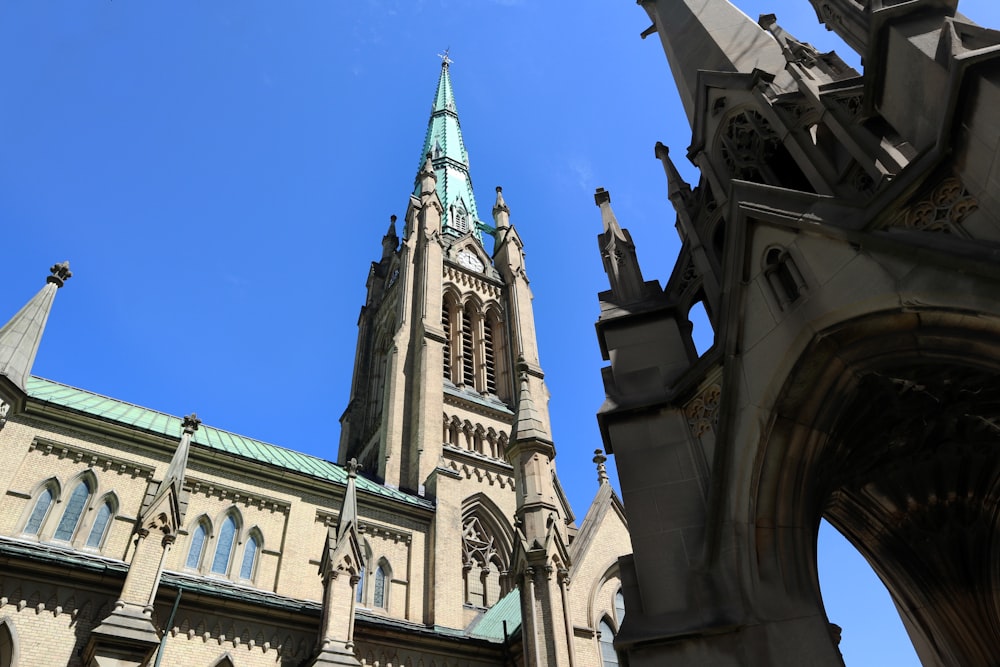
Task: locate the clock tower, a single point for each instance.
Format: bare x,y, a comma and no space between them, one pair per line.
434,390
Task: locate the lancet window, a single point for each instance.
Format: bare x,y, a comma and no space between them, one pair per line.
73,513
475,355
482,564
783,277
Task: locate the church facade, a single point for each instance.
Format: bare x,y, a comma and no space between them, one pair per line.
844,239
440,536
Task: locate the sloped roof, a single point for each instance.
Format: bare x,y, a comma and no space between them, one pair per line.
490,625
134,416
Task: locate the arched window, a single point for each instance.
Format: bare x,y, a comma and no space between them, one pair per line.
783,277
99,529
468,350
41,510
609,658
619,608
197,548
446,326
482,566
380,597
8,646
359,591
70,520
489,354
249,564
224,661
224,546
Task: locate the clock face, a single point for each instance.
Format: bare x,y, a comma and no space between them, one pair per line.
469,260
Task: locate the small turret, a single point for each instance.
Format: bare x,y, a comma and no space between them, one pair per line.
391,240
501,214
618,254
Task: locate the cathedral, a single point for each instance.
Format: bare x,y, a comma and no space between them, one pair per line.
843,239
441,536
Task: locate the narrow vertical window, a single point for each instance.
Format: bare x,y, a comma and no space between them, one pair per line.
490,357
100,527
619,608
73,513
38,514
249,558
197,546
6,645
446,325
468,351
359,592
609,658
379,598
224,547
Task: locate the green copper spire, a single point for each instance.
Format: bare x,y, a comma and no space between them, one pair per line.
450,161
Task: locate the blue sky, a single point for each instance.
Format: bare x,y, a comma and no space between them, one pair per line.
220,175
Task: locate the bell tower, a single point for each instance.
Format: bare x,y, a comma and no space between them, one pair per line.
434,394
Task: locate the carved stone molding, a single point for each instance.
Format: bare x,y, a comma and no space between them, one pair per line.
92,459
943,209
702,413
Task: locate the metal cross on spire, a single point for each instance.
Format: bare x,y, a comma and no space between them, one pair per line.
445,60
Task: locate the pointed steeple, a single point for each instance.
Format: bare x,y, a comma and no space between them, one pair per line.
173,481
450,161
710,35
20,337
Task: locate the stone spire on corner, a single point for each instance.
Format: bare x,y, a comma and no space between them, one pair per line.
618,255
713,36
20,337
444,149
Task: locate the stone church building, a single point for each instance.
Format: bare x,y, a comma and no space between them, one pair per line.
441,537
844,240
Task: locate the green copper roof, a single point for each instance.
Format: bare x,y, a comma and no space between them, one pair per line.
126,414
451,161
491,624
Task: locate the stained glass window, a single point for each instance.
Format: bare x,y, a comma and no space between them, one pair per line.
224,547
73,512
249,558
379,600
100,527
609,658
38,514
197,545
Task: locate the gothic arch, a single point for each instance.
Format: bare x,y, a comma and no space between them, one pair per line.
487,542
9,647
82,490
36,515
225,660
253,545
225,541
200,534
97,525
887,427
596,608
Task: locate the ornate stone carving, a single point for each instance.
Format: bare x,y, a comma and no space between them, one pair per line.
944,209
702,413
748,142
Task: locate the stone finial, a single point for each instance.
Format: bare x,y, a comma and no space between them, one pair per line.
190,423
352,467
676,185
602,471
501,213
391,240
60,274
618,255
